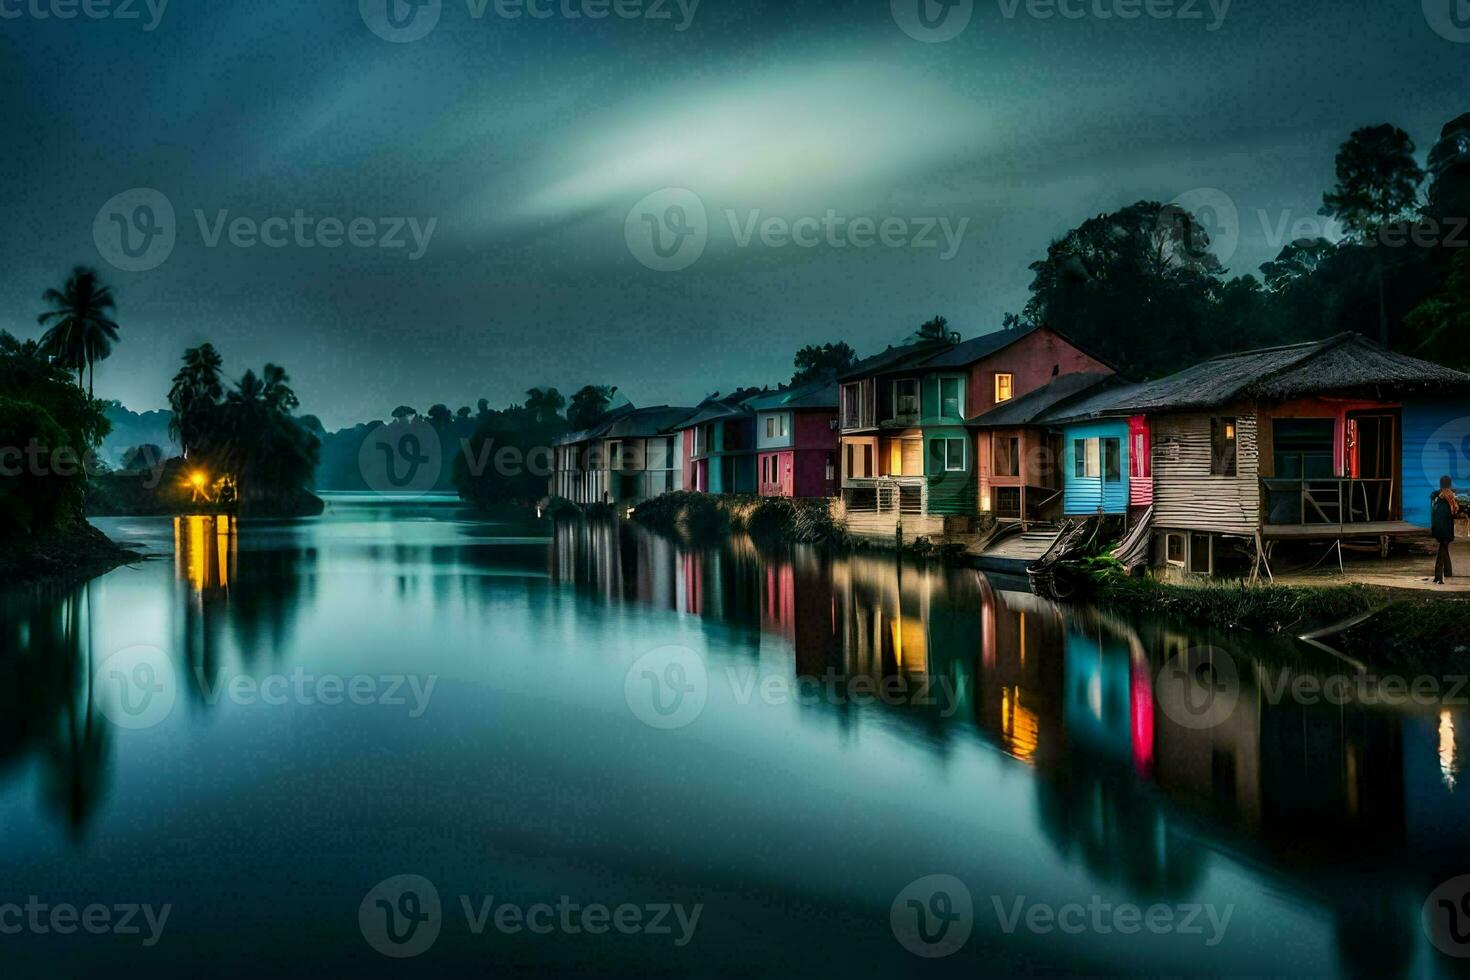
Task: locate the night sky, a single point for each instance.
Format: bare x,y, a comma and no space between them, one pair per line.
527,142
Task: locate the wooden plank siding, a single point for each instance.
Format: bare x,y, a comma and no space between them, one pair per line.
1433,445
1084,495
1186,495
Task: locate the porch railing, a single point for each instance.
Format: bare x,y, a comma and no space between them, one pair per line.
886,495
1329,500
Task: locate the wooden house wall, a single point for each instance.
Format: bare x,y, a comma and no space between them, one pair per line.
951,492
1186,495
1083,495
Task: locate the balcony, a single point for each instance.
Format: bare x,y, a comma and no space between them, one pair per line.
886,495
1329,501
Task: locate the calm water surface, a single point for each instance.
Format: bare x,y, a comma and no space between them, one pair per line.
601,716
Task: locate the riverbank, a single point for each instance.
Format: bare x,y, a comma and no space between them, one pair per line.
704,516
145,494
1390,627
82,553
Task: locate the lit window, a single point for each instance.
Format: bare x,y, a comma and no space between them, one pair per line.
1094,458
1003,387
770,426
1222,445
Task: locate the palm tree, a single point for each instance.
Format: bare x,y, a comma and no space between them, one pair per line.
544,403
81,332
197,390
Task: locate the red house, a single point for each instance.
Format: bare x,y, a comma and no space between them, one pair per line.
796,441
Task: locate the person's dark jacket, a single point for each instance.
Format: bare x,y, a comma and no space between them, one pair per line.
1442,516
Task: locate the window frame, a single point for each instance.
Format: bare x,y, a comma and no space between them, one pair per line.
1183,560
946,440
1010,386
918,397
959,396
1225,446
1113,474
1012,456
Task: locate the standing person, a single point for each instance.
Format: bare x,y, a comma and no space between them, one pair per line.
1443,509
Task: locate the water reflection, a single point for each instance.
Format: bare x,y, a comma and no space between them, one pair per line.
1350,805
1113,766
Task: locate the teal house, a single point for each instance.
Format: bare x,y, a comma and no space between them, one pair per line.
1094,466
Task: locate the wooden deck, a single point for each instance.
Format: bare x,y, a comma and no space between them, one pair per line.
1355,529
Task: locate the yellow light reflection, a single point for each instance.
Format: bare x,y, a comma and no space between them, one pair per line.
204,549
1018,725
1448,764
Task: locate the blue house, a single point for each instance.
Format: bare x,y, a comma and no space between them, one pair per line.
1436,443
1095,467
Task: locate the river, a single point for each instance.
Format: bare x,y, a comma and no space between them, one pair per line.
398,737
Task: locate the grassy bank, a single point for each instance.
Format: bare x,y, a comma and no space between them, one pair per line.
705,516
79,553
1405,629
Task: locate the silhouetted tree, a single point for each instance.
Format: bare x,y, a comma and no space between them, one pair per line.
827,361
82,330
590,402
1377,185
